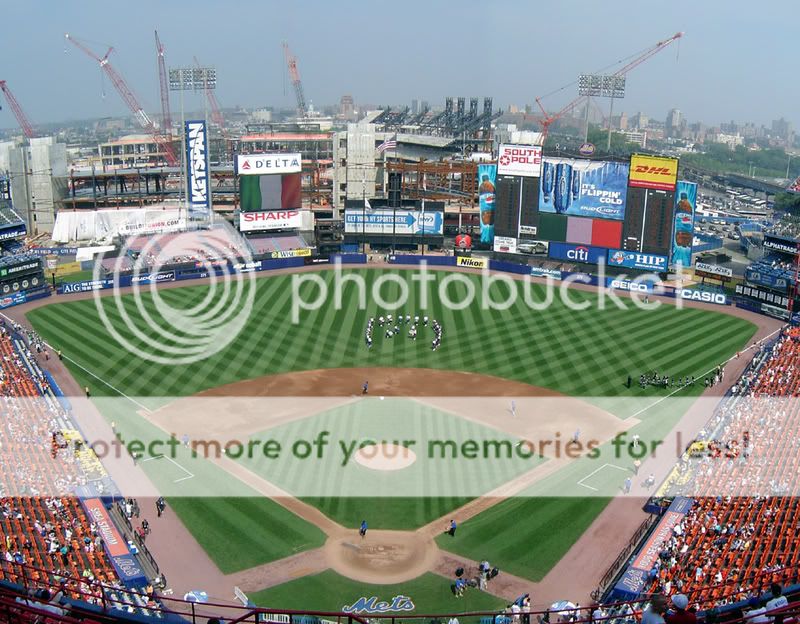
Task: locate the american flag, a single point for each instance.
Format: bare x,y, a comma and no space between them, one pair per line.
388,144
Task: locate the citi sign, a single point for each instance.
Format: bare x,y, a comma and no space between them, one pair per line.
579,254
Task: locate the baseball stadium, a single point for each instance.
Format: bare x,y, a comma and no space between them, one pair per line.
403,371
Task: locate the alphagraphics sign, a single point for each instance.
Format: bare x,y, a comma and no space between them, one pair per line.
702,295
197,167
519,160
636,260
373,605
263,164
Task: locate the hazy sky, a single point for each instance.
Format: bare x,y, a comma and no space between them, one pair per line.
735,61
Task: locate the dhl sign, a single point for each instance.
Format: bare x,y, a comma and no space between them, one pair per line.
653,172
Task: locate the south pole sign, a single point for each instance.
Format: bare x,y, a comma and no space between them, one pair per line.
519,160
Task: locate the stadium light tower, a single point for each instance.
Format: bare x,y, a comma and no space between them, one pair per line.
598,85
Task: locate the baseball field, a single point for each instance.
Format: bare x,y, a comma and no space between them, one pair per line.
464,389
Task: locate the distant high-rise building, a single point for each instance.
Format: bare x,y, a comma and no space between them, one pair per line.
673,123
639,121
782,128
346,107
414,107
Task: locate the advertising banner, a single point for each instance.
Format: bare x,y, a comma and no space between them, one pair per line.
13,232
389,222
198,191
261,164
270,220
487,178
636,260
473,263
683,223
583,188
653,172
576,253
519,160
779,244
53,251
706,296
772,279
621,284
505,244
544,272
291,253
112,539
763,296
712,270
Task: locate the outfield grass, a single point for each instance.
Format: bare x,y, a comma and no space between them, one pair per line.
580,353
329,591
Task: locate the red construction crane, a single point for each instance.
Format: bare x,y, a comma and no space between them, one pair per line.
27,129
130,99
550,119
291,63
166,116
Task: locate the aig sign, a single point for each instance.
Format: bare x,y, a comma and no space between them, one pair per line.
197,167
519,160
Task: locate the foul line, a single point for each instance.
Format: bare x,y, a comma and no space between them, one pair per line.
162,456
733,357
594,472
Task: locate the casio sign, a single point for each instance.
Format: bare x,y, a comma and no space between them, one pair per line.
702,295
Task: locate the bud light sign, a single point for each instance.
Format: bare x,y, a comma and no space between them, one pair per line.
636,260
577,253
487,175
583,188
197,168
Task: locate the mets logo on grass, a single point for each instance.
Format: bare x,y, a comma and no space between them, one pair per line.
176,330
373,605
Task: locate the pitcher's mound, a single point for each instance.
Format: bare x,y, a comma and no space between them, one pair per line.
385,456
383,557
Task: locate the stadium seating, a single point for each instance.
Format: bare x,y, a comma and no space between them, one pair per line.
48,532
742,544
267,244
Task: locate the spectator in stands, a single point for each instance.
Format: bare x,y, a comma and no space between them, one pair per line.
778,601
654,613
41,599
681,614
756,613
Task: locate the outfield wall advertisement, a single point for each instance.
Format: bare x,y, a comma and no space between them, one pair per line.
636,260
270,220
261,164
577,253
683,223
653,172
393,222
583,188
487,178
197,169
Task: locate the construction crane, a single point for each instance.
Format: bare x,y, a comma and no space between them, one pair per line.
130,99
166,116
548,120
216,115
291,63
27,129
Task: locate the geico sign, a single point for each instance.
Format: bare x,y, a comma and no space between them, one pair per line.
702,295
626,285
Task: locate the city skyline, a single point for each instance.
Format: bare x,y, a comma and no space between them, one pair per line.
373,53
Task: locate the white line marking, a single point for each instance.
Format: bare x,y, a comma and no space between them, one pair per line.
733,357
169,459
594,472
